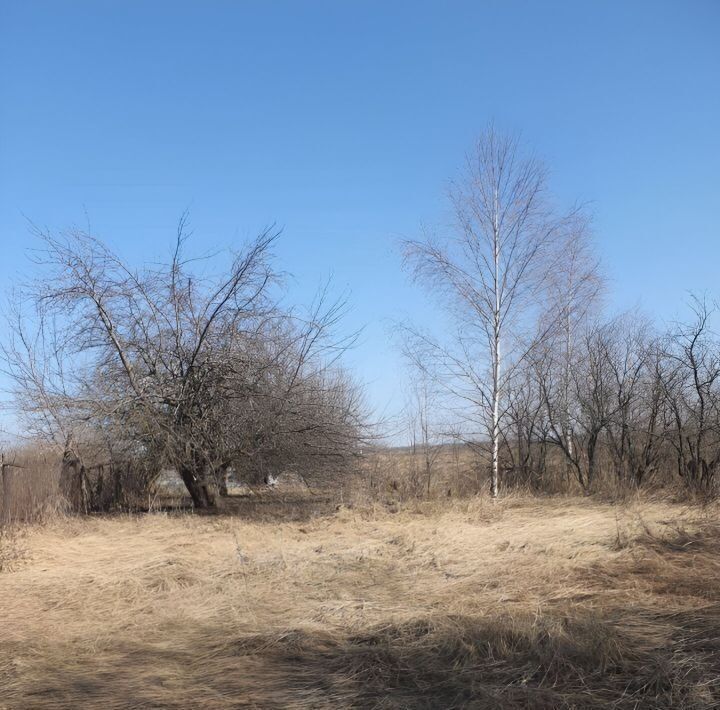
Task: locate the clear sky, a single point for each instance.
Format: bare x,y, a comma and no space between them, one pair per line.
343,121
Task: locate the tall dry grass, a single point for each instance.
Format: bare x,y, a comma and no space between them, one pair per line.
29,485
560,603
459,472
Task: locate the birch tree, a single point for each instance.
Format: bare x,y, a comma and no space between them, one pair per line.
489,272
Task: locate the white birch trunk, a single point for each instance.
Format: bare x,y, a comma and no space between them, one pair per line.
566,388
494,474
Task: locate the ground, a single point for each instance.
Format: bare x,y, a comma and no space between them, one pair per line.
545,603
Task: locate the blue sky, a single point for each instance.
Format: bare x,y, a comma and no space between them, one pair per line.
343,122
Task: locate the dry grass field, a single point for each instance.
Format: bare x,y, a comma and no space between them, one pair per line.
544,603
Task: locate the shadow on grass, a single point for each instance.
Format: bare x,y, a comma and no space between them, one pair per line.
622,660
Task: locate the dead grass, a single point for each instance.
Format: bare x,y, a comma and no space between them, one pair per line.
29,488
555,603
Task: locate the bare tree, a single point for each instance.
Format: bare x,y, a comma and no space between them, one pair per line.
574,290
165,366
692,392
635,428
591,390
422,414
527,433
489,272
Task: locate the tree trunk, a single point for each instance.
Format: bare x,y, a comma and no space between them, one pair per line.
567,429
73,483
495,444
428,469
223,476
496,358
5,508
197,485
592,442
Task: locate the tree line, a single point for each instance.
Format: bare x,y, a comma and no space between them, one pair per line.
530,373
129,371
